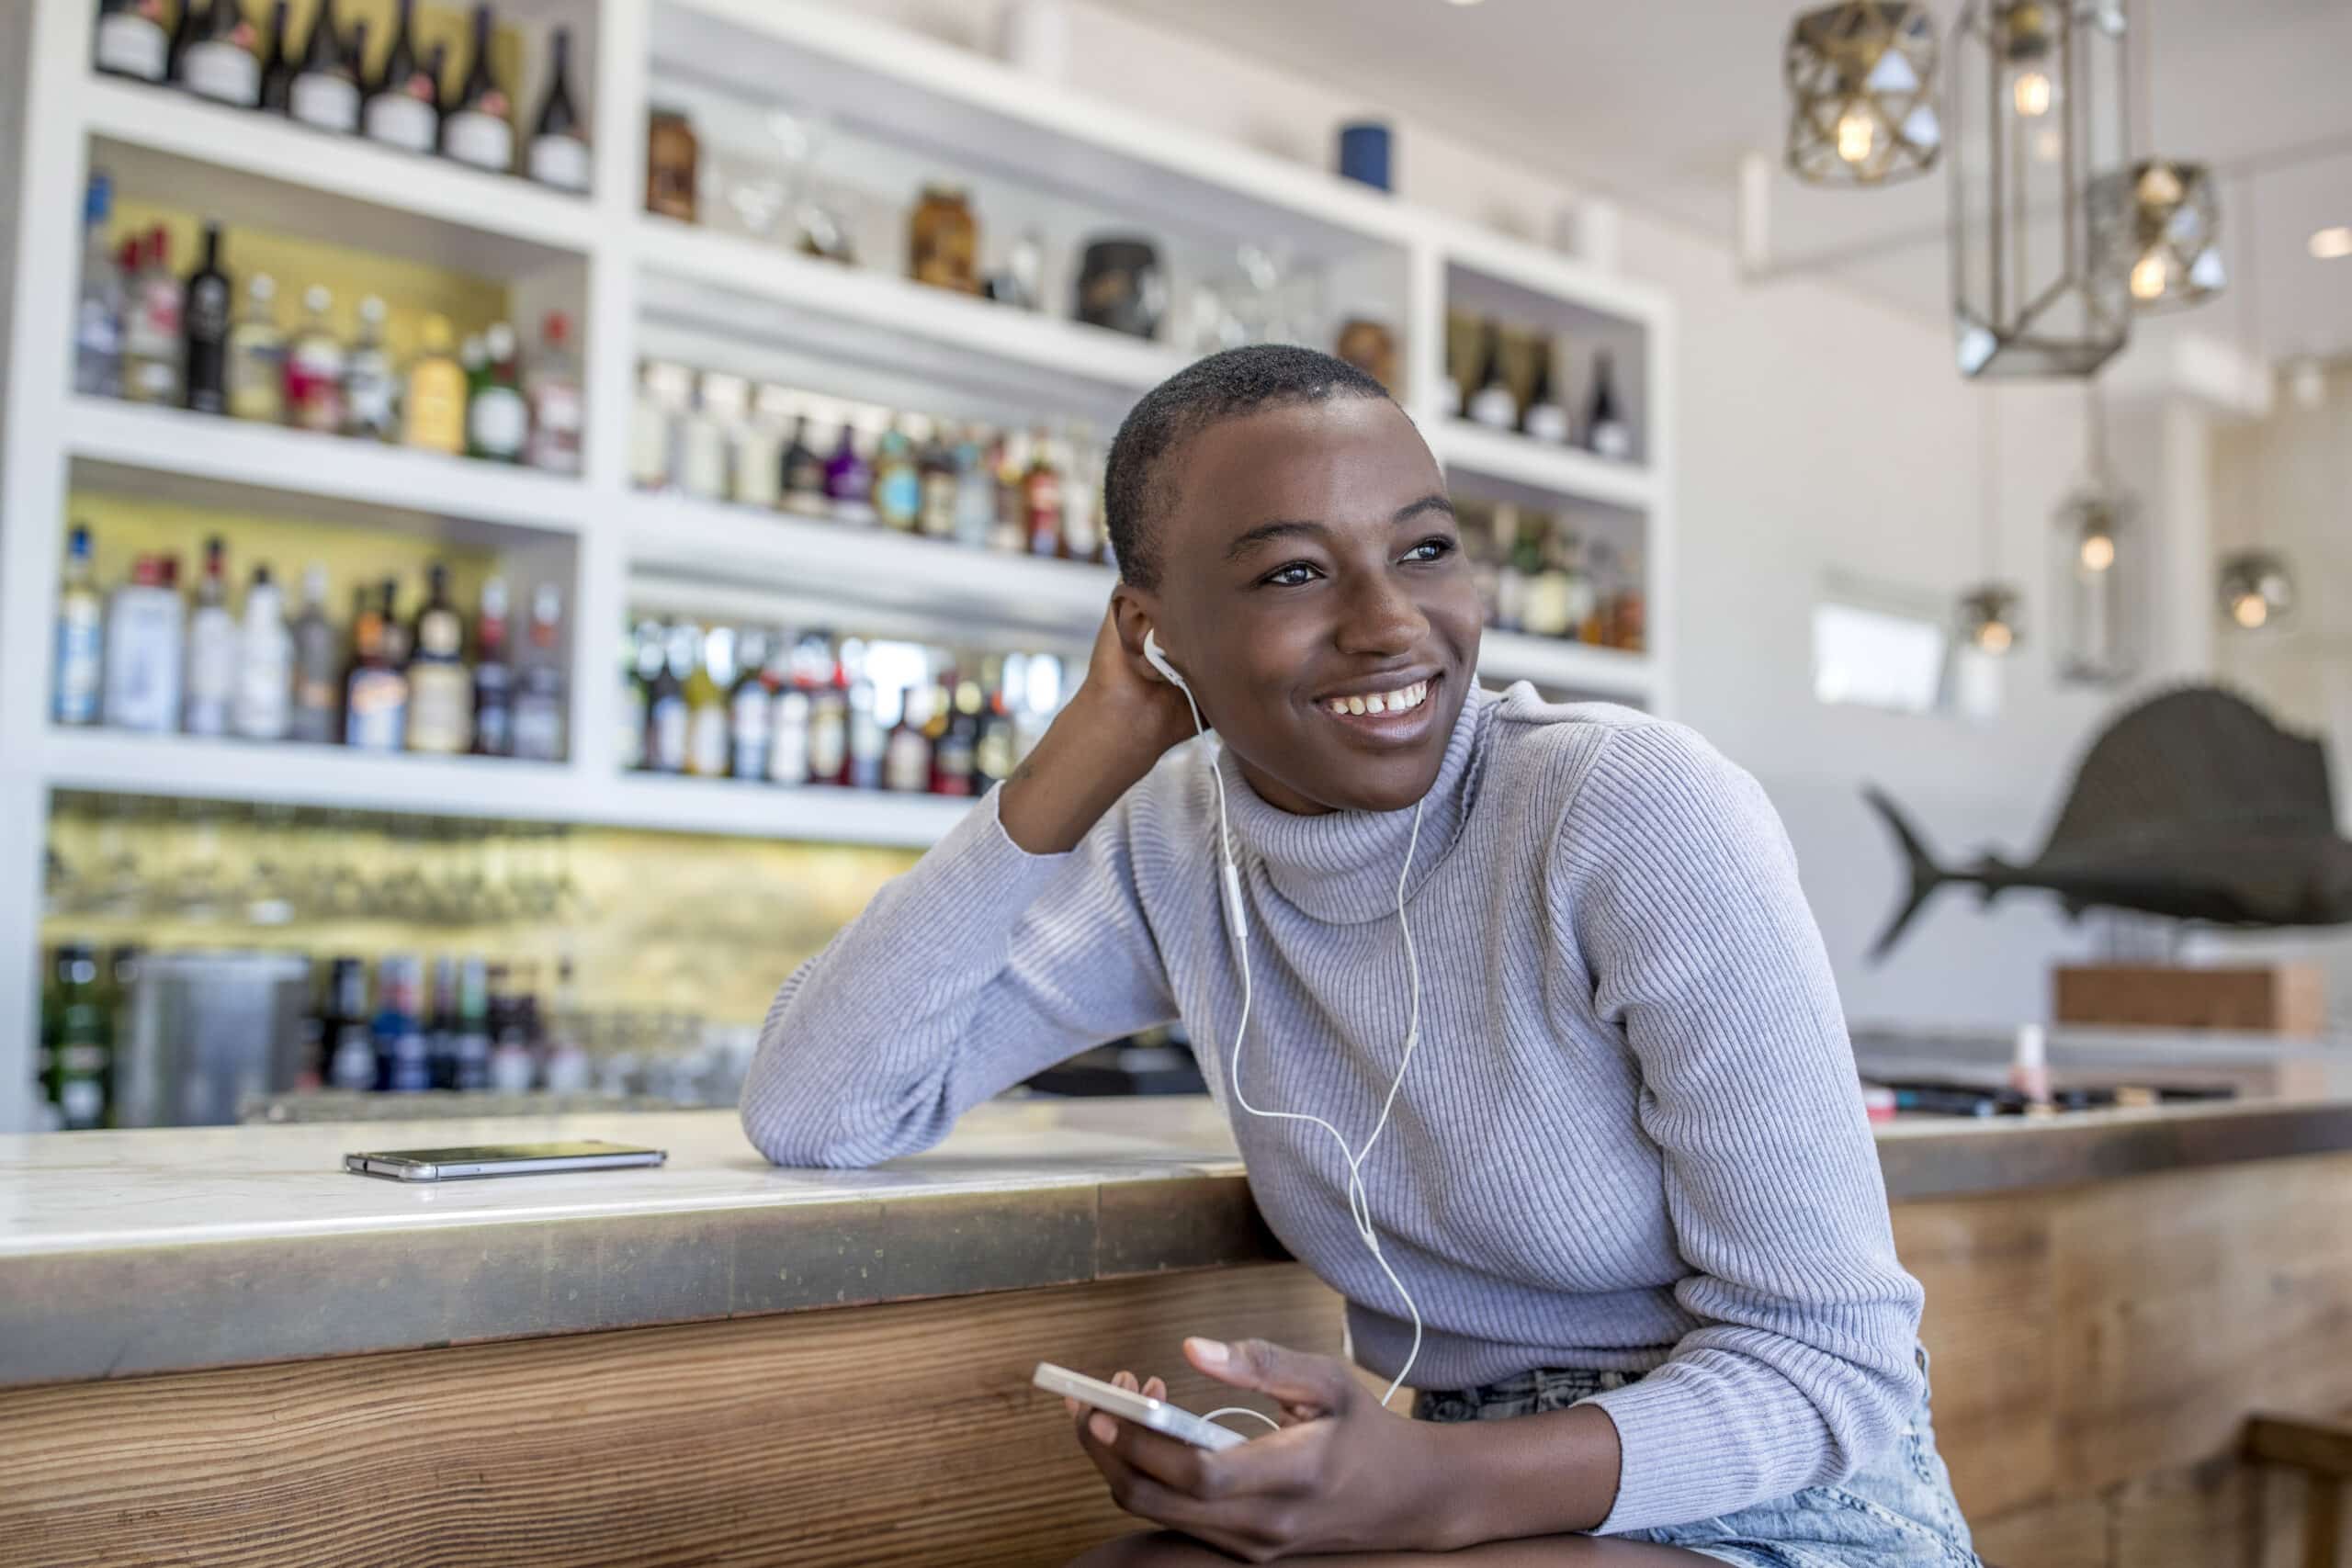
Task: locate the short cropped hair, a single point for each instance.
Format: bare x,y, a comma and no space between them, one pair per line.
1224,386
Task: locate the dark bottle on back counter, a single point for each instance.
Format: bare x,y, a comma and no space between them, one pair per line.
278,63
494,677
539,684
403,108
559,150
131,39
325,89
204,330
402,1063
219,61
1604,430
81,1065
477,129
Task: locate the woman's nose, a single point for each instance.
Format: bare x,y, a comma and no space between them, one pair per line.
1380,616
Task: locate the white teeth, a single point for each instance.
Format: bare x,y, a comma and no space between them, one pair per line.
1355,704
1398,701
1376,704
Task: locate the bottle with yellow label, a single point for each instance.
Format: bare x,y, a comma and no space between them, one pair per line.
435,406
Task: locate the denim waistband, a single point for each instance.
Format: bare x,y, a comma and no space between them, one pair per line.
1518,1393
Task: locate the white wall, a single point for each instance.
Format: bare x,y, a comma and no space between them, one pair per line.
1817,430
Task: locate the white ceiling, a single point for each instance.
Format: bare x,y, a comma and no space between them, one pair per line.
1653,101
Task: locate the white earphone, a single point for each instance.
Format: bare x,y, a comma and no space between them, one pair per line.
1359,1201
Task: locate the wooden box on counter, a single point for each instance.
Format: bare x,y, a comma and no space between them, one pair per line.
2276,998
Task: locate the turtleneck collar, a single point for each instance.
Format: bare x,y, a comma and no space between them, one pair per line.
1342,866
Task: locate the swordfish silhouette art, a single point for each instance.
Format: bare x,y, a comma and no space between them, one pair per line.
2193,803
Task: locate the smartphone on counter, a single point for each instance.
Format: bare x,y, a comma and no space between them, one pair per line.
1156,1413
500,1159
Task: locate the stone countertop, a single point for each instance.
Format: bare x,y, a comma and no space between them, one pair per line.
175,1249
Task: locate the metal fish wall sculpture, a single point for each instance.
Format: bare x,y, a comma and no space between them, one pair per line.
2192,803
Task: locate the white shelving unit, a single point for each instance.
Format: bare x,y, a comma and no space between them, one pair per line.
645,285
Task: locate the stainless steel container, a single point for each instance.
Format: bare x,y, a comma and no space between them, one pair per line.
207,1031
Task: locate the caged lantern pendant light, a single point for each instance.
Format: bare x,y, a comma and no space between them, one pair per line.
2095,589
2257,588
1861,93
2157,223
2042,78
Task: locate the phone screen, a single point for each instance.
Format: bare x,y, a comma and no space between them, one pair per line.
476,1152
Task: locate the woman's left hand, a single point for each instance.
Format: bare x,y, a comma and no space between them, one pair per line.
1344,1472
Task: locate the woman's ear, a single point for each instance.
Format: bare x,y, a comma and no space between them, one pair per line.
1135,613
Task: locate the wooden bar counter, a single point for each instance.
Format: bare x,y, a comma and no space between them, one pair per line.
216,1346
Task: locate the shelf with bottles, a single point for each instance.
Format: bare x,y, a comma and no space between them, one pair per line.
387,88
1542,378
376,358
230,654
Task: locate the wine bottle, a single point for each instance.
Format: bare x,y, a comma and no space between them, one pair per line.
370,383
204,327
220,62
131,41
256,371
1604,431
441,688
477,131
184,31
558,151
325,91
1543,418
1492,404
277,64
403,108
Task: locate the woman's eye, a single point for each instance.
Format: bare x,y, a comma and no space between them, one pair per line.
1295,575
1431,548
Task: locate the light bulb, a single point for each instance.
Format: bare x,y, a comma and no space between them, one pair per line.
2250,610
2149,275
1995,636
2098,551
2031,93
1857,136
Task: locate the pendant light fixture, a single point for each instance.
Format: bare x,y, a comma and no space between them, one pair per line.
2044,79
1989,615
2256,586
2156,224
1861,93
2096,563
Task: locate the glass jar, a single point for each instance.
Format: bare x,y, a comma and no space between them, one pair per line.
671,155
944,242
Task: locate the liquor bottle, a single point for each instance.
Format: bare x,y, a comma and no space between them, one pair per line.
316,713
849,482
277,65
1493,404
703,425
1041,489
552,390
992,753
788,737
1010,465
152,347
867,736
82,1058
204,324
398,643
344,1016
651,423
370,385
828,724
131,41
750,709
403,108
1510,583
559,154
803,473
1082,496
494,677
403,1064
936,464
1549,607
325,89
640,667
219,61
1604,431
498,423
261,706
897,488
440,687
477,131
77,682
314,367
144,642
759,459
441,1027
183,28
97,322
666,703
471,1047
975,491
710,667
1543,418
212,649
376,694
906,750
540,685
955,760
256,358
434,412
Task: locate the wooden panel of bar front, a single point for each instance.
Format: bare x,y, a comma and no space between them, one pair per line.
831,1368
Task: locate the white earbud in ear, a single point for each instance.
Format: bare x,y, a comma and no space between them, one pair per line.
1159,660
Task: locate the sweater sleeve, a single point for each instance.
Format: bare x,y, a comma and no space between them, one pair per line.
980,966
1684,900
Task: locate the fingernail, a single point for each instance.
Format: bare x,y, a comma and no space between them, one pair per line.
1103,1428
1211,1349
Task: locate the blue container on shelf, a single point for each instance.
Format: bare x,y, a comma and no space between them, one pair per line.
1363,153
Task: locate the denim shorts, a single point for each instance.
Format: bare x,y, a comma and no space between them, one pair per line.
1896,1511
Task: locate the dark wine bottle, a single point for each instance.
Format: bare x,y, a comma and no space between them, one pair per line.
403,109
131,41
204,330
1543,418
1605,430
183,30
277,64
559,150
477,131
326,88
220,62
1492,402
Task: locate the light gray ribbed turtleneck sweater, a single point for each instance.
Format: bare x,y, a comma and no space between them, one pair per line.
1630,1138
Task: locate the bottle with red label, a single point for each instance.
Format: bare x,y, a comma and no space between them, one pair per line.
314,367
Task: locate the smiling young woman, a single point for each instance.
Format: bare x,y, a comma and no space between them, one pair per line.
1629,1193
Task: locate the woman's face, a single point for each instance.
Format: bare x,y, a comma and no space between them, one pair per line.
1308,556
